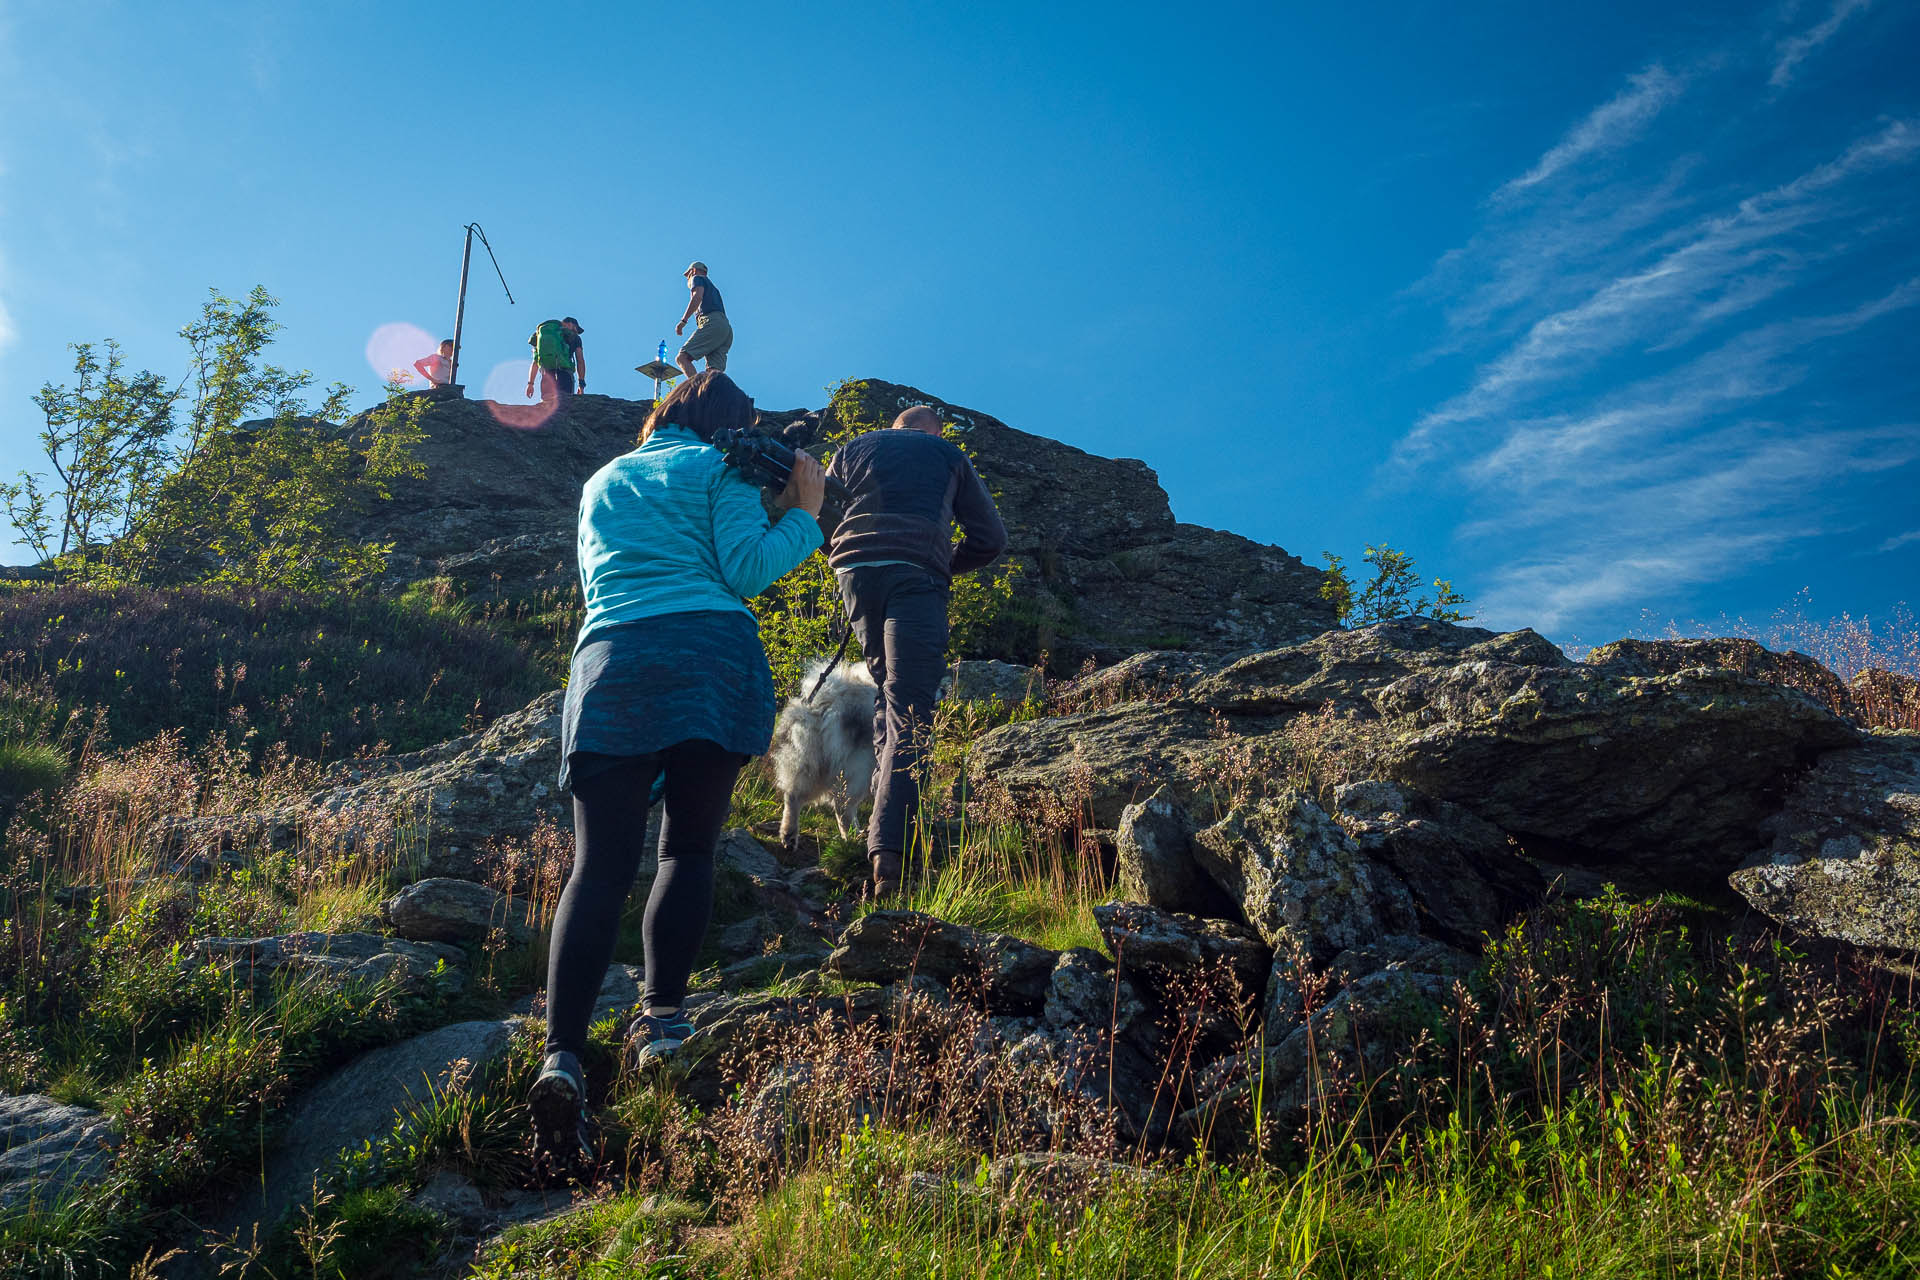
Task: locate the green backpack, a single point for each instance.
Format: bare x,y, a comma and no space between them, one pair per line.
550,349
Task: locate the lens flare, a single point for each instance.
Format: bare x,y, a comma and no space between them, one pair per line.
506,398
394,347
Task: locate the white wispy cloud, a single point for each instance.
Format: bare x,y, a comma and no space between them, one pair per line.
1610,126
1748,367
1789,53
1676,364
7,331
1710,273
1643,527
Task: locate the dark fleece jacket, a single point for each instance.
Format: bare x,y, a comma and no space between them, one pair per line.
908,489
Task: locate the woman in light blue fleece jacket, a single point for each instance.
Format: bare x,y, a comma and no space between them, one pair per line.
669,682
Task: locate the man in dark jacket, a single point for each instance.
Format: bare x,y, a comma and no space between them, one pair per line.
895,559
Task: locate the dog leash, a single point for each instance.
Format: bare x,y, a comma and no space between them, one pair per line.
833,659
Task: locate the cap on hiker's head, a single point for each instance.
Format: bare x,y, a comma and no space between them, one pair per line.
577,326
695,269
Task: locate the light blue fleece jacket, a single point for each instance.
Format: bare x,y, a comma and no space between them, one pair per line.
671,528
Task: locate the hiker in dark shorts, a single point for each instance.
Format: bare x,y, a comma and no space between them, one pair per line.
894,558
713,337
557,353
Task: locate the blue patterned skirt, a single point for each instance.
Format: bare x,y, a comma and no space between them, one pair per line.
640,687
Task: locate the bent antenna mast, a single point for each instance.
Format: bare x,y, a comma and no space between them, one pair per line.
460,312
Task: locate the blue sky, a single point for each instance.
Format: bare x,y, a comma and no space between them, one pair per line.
1606,312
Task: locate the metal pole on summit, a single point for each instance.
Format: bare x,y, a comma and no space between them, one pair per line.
460,311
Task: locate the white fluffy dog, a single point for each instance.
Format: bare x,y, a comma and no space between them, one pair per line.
823,749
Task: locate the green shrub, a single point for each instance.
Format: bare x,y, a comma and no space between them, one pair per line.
1391,593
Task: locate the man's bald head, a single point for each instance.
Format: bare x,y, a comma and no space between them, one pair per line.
919,418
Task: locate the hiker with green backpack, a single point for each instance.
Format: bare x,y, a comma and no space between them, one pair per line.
557,353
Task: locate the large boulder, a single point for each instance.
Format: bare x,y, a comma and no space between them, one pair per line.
991,680
1845,859
336,959
1189,720
1300,880
1668,776
1009,974
1465,877
1155,861
440,909
1342,667
49,1148
443,811
1727,653
1089,766
495,473
1165,947
360,1102
455,800
1164,675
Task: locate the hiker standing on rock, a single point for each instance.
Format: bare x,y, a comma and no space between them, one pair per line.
669,682
713,332
437,368
893,556
557,353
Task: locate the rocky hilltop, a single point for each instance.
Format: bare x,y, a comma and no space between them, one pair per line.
1262,867
1105,569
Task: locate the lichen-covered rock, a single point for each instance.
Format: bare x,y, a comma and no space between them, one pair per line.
1157,676
1845,858
337,959
1465,878
457,798
442,808
742,851
1086,991
1299,878
359,1102
441,909
1007,974
1155,864
1166,945
1341,667
1728,653
1089,766
49,1148
1667,776
727,1029
991,680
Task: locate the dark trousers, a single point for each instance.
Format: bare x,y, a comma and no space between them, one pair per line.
555,384
609,830
900,614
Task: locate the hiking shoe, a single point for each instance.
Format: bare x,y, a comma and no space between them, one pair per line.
886,873
653,1038
562,1132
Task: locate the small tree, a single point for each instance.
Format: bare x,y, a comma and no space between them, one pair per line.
1390,594
168,484
106,440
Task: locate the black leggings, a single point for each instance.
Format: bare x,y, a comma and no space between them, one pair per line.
609,830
